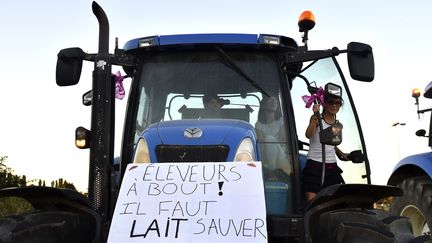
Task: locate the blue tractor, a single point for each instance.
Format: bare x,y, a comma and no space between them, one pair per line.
165,122
413,175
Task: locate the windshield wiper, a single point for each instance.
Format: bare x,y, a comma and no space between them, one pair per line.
233,66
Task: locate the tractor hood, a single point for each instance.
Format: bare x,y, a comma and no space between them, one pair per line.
198,132
205,132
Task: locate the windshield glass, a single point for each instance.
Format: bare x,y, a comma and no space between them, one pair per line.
319,74
205,84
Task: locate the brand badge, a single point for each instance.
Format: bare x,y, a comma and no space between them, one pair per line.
193,132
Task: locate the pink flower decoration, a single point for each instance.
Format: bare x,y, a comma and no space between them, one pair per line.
309,99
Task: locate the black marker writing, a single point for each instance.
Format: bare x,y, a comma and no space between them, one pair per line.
154,227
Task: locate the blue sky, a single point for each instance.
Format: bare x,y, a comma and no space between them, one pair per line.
38,118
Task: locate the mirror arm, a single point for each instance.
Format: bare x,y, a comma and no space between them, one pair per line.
122,59
423,111
89,57
300,56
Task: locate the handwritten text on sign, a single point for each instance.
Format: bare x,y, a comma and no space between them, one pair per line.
190,202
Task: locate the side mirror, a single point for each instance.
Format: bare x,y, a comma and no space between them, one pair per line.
69,65
333,89
361,61
332,135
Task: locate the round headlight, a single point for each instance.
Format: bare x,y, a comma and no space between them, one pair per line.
142,154
245,151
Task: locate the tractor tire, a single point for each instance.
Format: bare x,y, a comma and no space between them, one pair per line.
46,227
364,225
416,203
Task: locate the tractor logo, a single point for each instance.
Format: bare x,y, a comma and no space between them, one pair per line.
193,132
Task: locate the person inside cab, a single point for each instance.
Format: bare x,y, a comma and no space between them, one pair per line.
270,131
212,106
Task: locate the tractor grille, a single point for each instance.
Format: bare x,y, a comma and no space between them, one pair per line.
176,153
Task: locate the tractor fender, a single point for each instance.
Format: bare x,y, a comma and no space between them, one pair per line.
411,166
343,196
66,211
44,197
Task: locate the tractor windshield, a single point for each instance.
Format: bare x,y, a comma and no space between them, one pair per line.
208,86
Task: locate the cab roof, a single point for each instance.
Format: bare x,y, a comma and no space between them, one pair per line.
240,40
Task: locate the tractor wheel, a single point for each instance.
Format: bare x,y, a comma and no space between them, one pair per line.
416,203
364,225
46,226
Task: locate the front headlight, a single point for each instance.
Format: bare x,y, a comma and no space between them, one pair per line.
245,151
142,154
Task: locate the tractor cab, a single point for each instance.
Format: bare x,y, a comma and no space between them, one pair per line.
167,121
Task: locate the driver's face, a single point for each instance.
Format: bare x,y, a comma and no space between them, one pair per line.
213,104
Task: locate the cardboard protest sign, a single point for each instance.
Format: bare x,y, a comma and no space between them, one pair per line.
191,202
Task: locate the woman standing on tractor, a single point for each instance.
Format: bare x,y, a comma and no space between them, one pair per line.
312,173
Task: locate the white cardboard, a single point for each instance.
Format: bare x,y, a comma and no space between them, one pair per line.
191,202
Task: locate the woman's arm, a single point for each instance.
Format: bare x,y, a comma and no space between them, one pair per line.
313,124
341,155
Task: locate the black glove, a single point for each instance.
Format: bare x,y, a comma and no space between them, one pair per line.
356,156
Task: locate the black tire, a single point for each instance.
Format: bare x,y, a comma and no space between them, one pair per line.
416,203
46,226
361,226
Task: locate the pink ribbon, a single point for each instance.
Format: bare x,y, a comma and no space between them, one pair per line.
309,99
119,89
